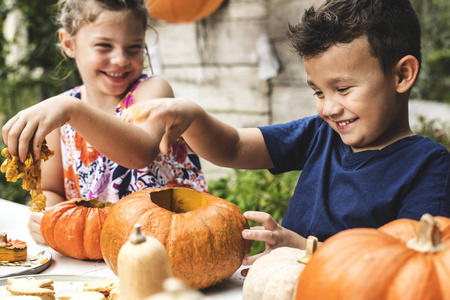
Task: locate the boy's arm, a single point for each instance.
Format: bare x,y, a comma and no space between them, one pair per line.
209,137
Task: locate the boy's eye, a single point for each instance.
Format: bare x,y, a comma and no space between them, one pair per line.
318,93
343,90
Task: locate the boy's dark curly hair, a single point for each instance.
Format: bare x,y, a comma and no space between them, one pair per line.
391,26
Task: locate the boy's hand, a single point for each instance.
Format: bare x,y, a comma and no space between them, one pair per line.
273,234
178,114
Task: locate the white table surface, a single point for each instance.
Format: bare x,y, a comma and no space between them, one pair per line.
14,218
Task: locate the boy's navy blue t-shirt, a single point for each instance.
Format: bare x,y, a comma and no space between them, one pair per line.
339,189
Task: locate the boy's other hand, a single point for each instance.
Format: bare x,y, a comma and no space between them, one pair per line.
273,234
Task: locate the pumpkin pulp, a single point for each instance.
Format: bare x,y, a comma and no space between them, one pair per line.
93,203
178,200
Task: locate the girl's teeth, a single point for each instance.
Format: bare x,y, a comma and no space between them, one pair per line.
116,74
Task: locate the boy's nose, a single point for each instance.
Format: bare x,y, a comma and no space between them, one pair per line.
331,107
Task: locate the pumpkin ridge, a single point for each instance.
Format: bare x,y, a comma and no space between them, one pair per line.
79,222
52,218
91,235
64,218
444,272
346,256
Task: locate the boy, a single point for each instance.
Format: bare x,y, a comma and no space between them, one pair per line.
362,165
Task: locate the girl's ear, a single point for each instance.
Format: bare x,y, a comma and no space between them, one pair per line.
406,73
67,43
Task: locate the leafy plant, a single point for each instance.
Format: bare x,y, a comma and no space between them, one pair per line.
434,80
257,190
435,130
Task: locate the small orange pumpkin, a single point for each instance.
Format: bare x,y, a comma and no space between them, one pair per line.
182,11
202,233
392,262
73,227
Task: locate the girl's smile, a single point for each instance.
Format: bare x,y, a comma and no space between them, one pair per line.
109,54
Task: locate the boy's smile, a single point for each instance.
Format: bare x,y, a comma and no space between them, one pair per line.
356,98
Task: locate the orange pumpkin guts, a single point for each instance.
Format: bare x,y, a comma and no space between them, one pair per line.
12,250
182,11
201,232
404,259
73,227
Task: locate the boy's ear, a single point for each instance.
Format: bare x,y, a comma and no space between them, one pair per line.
66,43
406,73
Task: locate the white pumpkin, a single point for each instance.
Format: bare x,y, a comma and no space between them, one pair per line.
275,275
143,265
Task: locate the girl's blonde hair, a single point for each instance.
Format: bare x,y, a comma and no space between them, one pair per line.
76,13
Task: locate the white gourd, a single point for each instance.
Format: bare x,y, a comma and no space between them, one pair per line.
275,275
143,265
176,289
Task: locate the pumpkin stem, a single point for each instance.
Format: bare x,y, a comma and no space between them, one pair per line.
428,236
137,236
311,247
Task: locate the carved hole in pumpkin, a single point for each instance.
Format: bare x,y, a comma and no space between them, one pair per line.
178,200
92,203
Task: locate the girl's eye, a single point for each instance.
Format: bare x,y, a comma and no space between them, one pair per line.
135,48
104,46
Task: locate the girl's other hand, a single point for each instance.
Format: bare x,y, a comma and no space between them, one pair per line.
34,226
273,234
29,127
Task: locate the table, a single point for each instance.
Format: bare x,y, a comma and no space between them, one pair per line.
14,218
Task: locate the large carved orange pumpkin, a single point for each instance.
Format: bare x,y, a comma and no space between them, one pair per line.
202,233
404,260
73,227
182,11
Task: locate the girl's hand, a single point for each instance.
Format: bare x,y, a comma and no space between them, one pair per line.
29,127
34,226
273,234
178,114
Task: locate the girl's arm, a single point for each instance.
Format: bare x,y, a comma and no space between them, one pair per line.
52,184
128,145
209,137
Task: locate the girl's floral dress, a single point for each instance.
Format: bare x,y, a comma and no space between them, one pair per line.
88,174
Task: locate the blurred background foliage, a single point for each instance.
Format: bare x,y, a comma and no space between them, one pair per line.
42,72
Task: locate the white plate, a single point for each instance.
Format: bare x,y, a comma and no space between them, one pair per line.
35,258
62,283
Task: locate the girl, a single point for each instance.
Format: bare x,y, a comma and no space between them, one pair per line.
98,154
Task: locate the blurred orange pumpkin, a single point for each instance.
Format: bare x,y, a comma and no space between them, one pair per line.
73,227
182,11
202,233
396,261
